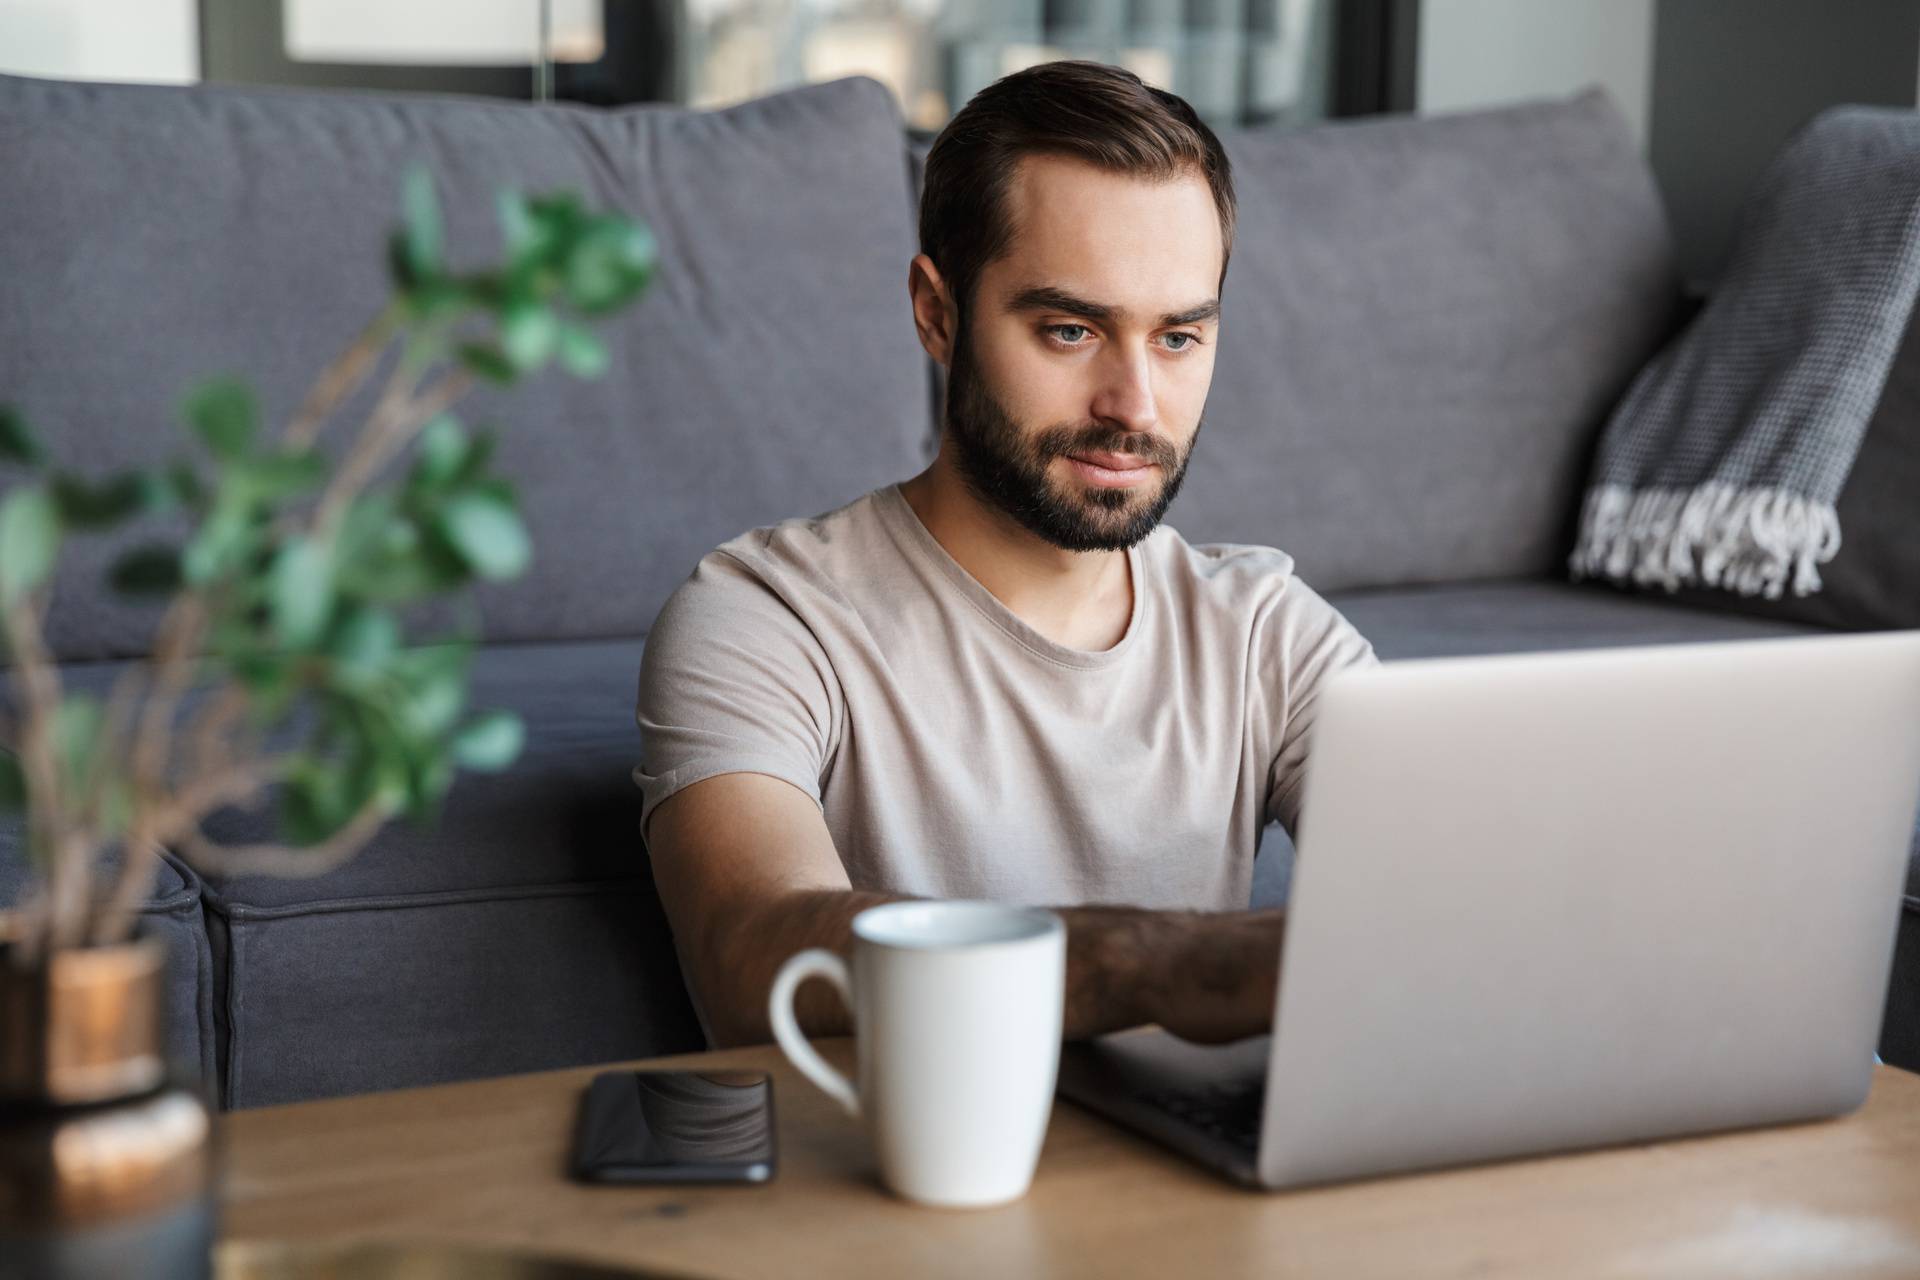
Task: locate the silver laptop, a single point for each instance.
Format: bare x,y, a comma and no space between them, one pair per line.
1554,901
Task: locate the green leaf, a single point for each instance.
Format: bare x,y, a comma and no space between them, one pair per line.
280,476
486,530
76,733
432,685
582,352
13,784
301,590
379,751
171,490
221,542
490,741
443,450
85,505
473,467
364,640
525,236
440,299
270,679
432,777
608,264
29,541
18,444
529,333
420,248
559,215
427,566
147,571
486,361
116,806
224,414
233,536
386,556
319,797
364,527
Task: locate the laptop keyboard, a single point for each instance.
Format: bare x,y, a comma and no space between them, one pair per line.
1228,1112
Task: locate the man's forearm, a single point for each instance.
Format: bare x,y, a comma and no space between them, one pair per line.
1208,976
744,955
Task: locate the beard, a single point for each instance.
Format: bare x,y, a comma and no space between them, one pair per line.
1006,468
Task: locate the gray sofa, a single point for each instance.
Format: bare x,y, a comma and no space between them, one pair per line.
1426,322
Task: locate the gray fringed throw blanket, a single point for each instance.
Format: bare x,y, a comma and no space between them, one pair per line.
1722,465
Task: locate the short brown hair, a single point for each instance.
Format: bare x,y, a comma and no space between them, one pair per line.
1102,114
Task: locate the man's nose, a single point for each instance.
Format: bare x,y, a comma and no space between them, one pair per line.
1125,394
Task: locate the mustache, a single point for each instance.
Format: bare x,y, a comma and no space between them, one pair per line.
1093,438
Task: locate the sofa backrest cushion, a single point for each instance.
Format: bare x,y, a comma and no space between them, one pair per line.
1425,323
152,236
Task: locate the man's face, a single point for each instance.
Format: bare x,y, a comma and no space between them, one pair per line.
1079,373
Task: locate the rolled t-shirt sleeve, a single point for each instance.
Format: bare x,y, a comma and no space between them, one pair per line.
732,680
1310,642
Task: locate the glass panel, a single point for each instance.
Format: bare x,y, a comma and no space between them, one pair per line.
1236,61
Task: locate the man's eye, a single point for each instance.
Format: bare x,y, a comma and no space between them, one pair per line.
1186,340
1067,333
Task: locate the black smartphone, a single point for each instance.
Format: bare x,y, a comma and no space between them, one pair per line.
675,1126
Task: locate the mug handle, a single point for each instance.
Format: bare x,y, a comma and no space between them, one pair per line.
814,962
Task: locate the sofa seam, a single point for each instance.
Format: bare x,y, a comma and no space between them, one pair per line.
172,903
203,1009
182,905
236,996
240,911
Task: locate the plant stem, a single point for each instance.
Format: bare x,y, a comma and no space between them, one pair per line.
285,860
161,821
133,884
36,683
388,442
400,414
339,379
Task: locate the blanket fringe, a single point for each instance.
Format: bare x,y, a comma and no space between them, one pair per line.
1750,541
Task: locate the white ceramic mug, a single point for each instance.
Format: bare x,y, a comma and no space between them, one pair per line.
957,1010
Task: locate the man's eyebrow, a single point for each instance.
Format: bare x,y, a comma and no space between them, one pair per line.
1048,298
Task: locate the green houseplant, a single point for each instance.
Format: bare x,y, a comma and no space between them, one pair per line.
286,666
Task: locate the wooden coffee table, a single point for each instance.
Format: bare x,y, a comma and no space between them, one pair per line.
482,1164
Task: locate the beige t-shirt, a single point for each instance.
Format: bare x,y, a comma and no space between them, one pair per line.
958,753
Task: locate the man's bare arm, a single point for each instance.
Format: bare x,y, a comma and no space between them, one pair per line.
748,875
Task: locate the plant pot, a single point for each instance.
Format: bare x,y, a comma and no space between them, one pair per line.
106,1159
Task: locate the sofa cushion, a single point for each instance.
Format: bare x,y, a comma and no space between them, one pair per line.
331,997
155,235
1529,615
1425,323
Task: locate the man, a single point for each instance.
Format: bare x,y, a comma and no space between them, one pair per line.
1003,678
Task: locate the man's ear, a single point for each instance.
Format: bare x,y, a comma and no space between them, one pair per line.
934,315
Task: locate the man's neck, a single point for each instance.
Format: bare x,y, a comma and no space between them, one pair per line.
1081,599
